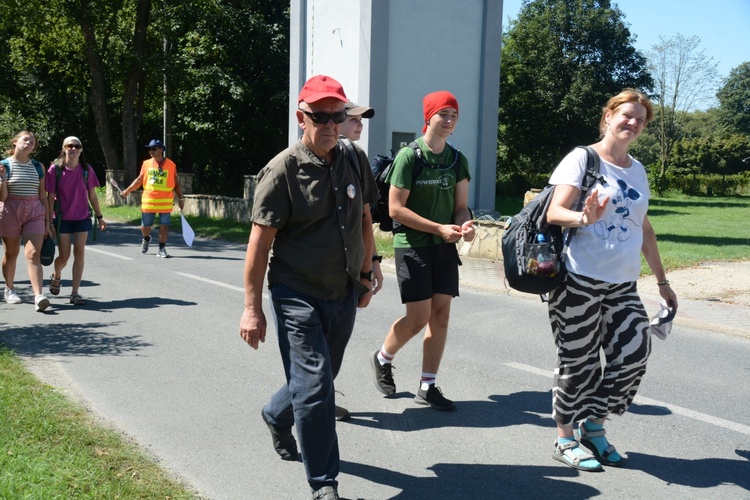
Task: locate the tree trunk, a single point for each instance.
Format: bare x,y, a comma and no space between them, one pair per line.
133,91
98,92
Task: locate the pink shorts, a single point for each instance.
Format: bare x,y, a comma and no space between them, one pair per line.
21,215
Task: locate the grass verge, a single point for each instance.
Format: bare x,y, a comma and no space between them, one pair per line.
51,448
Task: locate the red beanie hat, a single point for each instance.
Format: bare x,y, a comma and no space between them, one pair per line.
432,103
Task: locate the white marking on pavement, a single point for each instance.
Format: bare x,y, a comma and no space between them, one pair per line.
678,410
89,248
213,282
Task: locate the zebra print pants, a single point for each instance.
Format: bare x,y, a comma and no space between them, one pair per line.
601,333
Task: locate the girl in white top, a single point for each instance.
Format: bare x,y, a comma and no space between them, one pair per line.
597,308
23,213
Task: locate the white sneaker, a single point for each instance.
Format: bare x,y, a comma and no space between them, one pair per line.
162,253
11,297
41,302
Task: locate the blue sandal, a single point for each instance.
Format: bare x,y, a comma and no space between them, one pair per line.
584,435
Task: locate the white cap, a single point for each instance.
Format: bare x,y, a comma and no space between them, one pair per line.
661,324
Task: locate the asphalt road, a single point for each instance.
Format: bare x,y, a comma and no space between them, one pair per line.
157,354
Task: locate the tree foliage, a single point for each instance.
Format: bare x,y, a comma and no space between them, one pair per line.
734,100
561,61
98,70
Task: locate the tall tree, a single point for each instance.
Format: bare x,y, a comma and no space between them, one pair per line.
685,79
560,62
734,100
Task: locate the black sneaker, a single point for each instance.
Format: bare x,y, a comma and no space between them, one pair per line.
283,440
434,397
383,375
325,493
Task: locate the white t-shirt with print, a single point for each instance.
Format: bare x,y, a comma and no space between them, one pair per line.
610,249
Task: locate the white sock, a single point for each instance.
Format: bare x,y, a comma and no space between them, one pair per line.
428,379
385,357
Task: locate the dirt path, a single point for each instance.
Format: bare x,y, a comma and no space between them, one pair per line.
727,282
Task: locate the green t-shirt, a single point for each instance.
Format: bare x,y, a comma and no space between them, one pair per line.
432,195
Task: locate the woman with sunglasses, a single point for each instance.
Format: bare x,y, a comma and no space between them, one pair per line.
70,186
23,213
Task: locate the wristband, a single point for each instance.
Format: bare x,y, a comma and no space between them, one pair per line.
378,258
99,216
662,283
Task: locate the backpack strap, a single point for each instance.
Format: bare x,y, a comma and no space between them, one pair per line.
353,157
592,175
420,163
38,166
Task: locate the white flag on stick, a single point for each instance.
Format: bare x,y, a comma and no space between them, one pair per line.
187,232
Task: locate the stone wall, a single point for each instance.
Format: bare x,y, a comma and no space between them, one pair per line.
486,244
204,205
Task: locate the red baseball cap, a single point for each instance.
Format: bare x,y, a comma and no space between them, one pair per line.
319,87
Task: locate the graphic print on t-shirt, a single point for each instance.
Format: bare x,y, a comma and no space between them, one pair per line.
619,224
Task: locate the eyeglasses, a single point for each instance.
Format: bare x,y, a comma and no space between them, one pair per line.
73,146
321,118
154,149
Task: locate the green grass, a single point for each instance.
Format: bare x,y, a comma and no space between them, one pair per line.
693,229
51,448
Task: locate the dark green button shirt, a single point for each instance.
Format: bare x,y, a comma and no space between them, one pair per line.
317,209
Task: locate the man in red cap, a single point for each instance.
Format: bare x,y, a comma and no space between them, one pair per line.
433,213
311,207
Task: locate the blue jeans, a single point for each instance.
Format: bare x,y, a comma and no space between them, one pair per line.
312,334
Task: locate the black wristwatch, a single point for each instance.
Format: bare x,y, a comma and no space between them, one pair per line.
366,276
378,258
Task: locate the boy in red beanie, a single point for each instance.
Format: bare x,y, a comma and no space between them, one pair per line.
434,214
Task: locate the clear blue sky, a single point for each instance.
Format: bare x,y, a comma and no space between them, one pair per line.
723,26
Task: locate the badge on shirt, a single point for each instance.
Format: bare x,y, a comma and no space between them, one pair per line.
350,191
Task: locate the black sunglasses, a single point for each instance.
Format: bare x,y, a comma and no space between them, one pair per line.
321,117
73,146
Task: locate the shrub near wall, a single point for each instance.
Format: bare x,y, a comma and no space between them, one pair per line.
711,184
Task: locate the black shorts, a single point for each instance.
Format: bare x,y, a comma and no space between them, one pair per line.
74,226
423,272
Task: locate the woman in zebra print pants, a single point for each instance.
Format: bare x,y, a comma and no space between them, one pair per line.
598,321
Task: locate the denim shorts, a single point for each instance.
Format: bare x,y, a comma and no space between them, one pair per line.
74,226
147,218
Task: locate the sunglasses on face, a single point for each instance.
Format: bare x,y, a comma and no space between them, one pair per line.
321,118
154,149
73,146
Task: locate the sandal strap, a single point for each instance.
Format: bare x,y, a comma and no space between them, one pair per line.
566,446
566,450
586,434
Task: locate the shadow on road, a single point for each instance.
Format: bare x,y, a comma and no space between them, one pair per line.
527,407
69,339
478,481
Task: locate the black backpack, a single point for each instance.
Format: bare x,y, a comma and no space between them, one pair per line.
381,167
524,269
